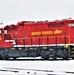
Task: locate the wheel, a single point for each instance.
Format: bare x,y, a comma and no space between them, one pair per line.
14,58
45,58
73,58
6,57
65,54
1,57
54,58
44,55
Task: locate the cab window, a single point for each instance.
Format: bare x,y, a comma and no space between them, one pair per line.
5,31
0,32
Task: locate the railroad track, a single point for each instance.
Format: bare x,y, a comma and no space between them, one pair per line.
34,60
16,70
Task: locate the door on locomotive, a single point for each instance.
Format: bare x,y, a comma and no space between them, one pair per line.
71,34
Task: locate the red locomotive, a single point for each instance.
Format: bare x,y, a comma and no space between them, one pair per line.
48,39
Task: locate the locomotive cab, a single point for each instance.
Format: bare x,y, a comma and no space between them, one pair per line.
2,33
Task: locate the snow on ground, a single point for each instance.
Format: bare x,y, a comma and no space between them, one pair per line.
59,67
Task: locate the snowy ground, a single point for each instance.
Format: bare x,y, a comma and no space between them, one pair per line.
59,67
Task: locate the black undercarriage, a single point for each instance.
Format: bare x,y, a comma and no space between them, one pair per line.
45,52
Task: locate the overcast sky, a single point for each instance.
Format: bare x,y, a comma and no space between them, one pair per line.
17,10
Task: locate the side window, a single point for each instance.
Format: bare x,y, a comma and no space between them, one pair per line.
5,31
0,32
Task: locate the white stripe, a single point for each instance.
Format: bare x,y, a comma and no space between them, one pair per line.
41,45
13,42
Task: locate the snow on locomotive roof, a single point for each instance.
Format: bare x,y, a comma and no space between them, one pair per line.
33,22
36,22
